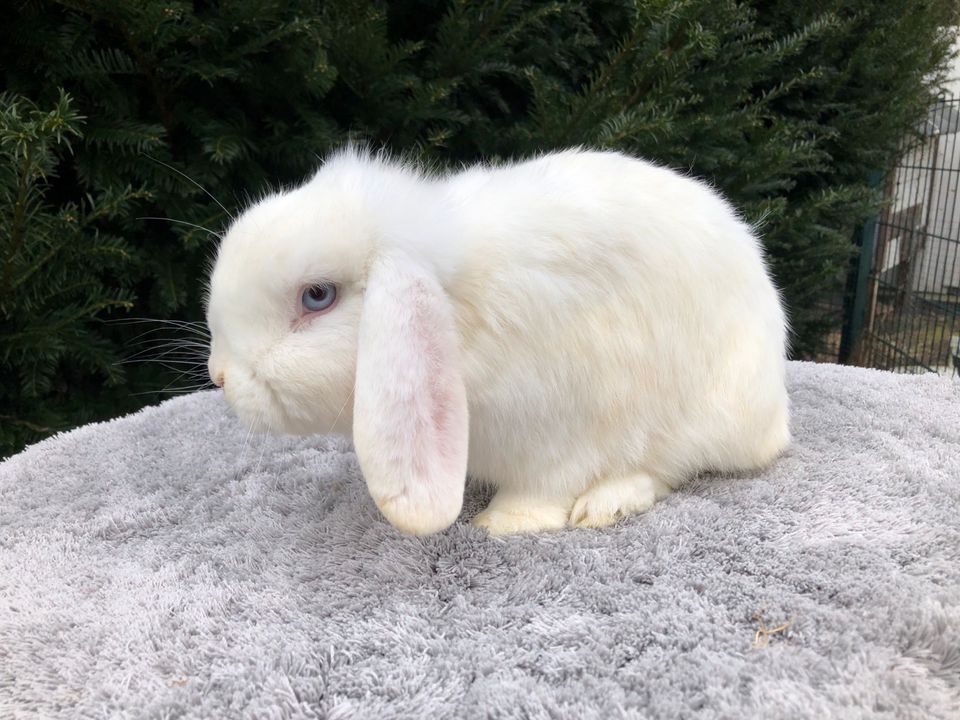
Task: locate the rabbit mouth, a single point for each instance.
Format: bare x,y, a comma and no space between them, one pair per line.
278,406
286,414
257,404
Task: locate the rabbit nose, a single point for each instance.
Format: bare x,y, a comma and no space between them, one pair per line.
218,379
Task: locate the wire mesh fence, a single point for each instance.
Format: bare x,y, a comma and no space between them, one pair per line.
903,301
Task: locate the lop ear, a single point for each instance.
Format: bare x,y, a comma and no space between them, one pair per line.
410,426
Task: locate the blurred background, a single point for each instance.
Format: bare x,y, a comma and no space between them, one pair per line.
830,124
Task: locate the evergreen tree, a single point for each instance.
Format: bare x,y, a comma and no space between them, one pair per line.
60,266
785,106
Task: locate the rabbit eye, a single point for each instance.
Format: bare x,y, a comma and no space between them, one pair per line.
318,297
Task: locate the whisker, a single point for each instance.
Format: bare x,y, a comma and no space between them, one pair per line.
153,337
174,391
191,334
353,391
166,393
181,366
166,343
263,449
190,361
190,179
162,340
183,355
197,354
188,352
196,329
243,447
182,222
195,376
196,357
144,344
164,321
342,408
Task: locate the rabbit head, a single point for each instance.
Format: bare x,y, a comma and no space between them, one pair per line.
327,313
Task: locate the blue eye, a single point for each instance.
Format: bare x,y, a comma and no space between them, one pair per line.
318,297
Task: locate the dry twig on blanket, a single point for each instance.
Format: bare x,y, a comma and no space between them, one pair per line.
762,637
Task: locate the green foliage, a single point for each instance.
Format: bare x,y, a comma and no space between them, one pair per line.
58,270
785,106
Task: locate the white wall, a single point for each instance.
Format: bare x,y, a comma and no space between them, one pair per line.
939,263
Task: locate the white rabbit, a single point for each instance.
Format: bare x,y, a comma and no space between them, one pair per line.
584,331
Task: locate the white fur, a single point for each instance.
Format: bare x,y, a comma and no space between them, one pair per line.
410,408
617,329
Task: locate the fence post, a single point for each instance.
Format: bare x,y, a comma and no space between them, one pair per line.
855,309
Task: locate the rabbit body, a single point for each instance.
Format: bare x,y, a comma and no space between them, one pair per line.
629,336
584,331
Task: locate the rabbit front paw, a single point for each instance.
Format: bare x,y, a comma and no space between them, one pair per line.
508,514
612,499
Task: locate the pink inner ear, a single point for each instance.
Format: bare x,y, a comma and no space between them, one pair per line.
410,410
442,381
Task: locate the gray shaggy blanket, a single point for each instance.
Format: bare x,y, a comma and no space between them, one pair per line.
166,566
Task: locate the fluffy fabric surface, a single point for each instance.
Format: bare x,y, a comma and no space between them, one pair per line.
166,566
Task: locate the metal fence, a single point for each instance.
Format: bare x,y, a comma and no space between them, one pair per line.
903,299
